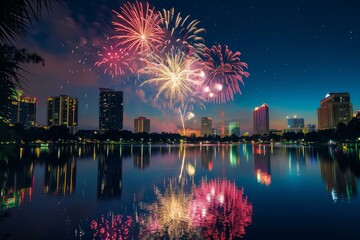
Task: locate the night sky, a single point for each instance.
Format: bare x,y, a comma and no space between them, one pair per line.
297,51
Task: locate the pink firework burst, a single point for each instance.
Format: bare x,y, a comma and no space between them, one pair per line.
221,209
224,71
138,27
115,61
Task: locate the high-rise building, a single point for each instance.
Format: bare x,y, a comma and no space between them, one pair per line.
295,124
234,128
111,109
141,124
22,110
63,111
335,108
261,119
206,125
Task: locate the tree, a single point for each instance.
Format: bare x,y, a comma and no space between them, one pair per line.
15,17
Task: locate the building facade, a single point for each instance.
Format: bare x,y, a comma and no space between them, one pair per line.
141,124
261,119
335,108
63,111
111,108
22,110
234,128
206,126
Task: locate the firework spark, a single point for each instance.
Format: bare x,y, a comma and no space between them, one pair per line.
138,27
175,76
224,71
181,32
115,61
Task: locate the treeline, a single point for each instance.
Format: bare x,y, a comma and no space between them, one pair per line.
17,133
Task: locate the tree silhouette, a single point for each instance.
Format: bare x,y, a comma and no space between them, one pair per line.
15,17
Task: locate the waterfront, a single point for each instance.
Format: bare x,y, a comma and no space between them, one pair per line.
200,191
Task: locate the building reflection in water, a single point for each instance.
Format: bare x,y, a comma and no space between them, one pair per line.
16,182
60,172
207,157
215,209
109,183
234,155
262,164
340,181
141,156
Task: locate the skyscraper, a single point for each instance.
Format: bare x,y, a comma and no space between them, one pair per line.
261,119
206,125
22,110
234,128
111,109
141,124
335,108
295,124
63,111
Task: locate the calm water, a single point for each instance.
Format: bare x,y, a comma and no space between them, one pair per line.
182,192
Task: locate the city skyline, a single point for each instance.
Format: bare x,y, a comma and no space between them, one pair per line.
289,47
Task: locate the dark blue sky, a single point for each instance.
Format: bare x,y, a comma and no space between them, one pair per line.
297,51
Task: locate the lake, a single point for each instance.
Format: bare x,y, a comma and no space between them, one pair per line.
247,191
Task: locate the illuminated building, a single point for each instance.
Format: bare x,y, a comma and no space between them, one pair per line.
141,124
335,108
22,110
63,111
111,109
189,132
206,126
234,128
261,120
295,124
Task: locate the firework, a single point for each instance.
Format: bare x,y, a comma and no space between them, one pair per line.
115,61
112,226
181,32
175,76
224,71
138,27
221,210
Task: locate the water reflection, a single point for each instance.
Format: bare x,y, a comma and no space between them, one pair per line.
339,178
111,226
262,165
109,182
142,157
17,181
215,209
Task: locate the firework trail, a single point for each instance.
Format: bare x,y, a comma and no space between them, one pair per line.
181,32
224,71
138,28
